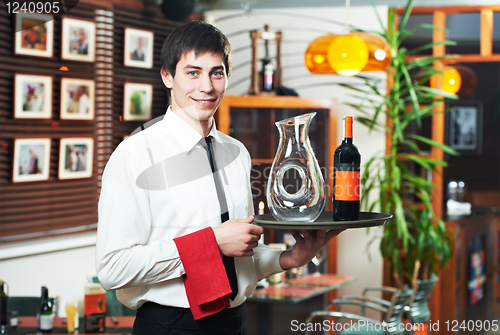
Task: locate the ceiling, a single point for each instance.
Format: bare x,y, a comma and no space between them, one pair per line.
203,5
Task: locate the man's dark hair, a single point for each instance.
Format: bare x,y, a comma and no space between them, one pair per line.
197,36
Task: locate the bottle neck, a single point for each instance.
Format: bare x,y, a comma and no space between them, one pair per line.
347,129
45,294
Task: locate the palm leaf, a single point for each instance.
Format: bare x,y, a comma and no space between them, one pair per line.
435,92
430,46
413,95
406,15
433,143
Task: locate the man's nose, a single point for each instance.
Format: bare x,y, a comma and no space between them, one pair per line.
205,84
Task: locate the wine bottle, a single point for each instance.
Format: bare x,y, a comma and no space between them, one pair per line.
267,71
268,75
45,315
3,304
346,165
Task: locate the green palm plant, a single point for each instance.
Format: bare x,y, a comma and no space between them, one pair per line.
415,243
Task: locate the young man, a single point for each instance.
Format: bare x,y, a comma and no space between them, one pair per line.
176,196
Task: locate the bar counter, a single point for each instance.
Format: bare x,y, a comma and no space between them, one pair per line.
28,326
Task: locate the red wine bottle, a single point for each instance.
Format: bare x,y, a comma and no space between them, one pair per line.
346,167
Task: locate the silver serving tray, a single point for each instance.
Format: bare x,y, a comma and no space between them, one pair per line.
324,221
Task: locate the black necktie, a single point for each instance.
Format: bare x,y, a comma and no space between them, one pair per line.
228,261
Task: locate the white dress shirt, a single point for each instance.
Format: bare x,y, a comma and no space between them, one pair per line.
157,185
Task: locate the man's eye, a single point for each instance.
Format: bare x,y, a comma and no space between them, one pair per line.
218,74
192,73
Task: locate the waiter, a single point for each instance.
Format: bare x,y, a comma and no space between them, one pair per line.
175,234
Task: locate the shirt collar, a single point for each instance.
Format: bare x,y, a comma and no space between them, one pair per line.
188,137
215,133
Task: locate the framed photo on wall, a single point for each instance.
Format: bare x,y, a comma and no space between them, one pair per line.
78,40
31,159
137,102
32,96
465,126
76,157
77,99
34,35
138,48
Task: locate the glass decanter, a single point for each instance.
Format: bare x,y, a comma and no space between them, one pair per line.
295,152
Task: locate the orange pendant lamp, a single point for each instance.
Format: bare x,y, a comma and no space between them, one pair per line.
457,79
451,80
347,55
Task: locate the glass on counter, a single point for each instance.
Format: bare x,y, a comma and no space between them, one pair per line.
72,316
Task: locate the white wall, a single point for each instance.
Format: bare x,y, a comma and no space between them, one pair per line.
61,264
299,27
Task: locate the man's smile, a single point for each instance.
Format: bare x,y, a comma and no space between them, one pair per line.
204,100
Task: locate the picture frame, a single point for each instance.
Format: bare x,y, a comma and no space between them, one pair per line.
31,160
138,48
137,102
76,156
464,127
34,35
78,40
77,99
32,96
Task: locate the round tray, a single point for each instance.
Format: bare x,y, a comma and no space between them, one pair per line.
324,221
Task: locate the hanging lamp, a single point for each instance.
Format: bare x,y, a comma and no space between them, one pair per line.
347,54
451,80
458,79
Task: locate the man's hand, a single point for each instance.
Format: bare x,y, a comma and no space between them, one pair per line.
306,247
238,237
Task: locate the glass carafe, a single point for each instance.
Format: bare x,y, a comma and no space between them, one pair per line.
295,152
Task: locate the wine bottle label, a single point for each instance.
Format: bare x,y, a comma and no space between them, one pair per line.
347,186
268,78
46,322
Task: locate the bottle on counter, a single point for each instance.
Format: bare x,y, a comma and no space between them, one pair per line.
268,75
45,312
346,165
267,71
4,320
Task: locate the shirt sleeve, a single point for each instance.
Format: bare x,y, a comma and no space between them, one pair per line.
124,258
267,261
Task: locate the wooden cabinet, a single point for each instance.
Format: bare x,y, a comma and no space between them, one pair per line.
469,283
251,119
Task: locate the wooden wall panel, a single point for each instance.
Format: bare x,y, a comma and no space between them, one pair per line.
53,207
35,208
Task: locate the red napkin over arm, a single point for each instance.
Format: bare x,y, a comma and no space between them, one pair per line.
205,281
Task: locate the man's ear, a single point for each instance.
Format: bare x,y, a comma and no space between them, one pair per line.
166,77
